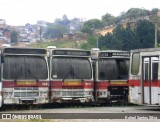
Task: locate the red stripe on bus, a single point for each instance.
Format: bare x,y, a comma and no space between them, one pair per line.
12,84
102,85
61,84
138,83
106,84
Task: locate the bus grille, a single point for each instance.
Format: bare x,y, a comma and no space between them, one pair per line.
26,94
73,93
26,88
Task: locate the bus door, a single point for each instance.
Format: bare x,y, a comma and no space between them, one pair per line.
150,80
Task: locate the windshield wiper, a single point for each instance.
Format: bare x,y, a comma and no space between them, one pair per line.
78,76
67,75
17,74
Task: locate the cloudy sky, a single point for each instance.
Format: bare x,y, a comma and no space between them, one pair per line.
20,12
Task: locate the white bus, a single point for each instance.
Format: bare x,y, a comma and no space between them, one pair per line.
25,77
71,75
144,77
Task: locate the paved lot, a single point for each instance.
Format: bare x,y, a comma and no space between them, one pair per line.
90,114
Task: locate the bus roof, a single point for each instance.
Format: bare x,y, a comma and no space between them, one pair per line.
146,50
113,53
26,50
71,52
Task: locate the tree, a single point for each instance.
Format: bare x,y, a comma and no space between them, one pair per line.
145,33
135,13
14,36
142,36
91,43
130,39
154,11
108,19
90,25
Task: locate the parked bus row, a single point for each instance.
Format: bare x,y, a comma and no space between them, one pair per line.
38,76
59,75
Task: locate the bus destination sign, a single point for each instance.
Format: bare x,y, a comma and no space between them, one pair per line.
24,51
114,54
71,52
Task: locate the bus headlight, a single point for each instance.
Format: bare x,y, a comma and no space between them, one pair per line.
88,93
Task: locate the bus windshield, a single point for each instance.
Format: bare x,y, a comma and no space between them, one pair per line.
113,69
71,68
24,67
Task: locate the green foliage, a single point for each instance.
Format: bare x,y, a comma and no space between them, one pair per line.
108,19
90,43
142,36
57,43
135,13
145,32
154,11
14,36
90,25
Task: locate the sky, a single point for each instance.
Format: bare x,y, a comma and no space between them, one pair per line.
20,12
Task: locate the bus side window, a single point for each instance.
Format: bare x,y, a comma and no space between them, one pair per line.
135,63
155,72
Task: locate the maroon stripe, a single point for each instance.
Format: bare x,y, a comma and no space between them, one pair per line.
12,84
138,83
60,85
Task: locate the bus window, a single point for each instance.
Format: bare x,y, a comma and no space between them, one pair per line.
71,68
135,63
81,68
22,67
108,69
123,70
155,71
113,69
60,68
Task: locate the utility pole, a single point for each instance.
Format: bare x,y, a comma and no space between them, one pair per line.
156,29
40,33
97,41
156,21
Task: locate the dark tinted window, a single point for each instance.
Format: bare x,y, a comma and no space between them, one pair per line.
113,69
25,67
155,71
71,68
